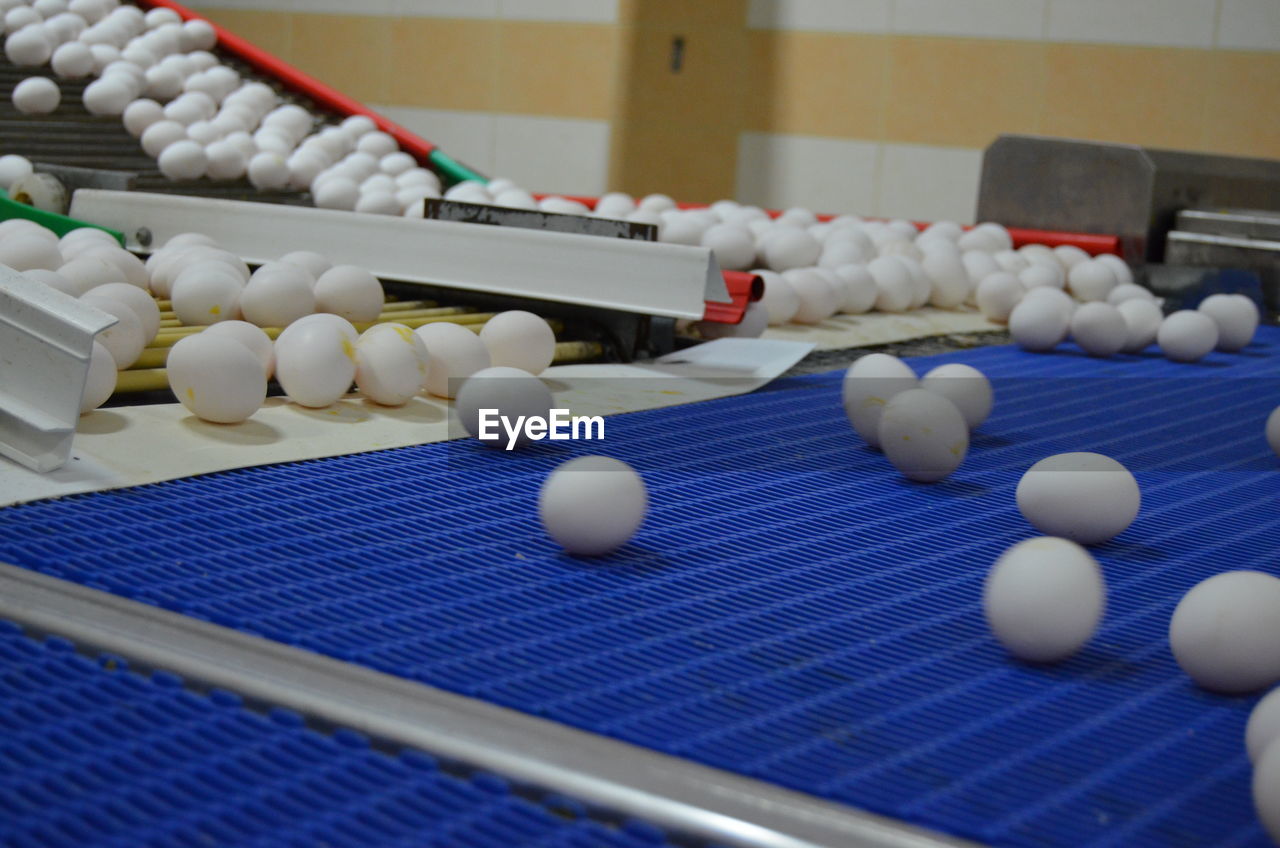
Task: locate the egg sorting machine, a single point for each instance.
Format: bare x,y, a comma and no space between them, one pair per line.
525,775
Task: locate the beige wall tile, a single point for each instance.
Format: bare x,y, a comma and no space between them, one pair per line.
816,84
690,163
272,31
556,69
1240,116
707,90
683,13
962,92
443,63
353,54
1136,95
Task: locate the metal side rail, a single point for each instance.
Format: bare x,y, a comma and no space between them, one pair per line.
684,797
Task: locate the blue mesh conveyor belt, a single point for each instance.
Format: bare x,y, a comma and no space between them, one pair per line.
792,610
94,754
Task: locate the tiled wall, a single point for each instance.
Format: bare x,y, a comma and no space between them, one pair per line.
875,106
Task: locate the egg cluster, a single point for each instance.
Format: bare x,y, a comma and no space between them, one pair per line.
195,115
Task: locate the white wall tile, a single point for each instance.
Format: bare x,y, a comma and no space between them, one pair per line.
1022,19
925,183
562,155
465,136
821,174
1173,23
572,11
820,15
1249,25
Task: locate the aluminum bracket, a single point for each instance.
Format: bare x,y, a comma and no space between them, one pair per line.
46,341
649,278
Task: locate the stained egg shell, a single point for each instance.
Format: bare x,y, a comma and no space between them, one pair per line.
592,505
1086,497
923,434
869,384
316,361
217,378
1043,599
391,364
1224,632
206,293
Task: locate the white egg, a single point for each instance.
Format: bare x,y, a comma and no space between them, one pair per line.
1224,632
1142,319
313,262
1128,291
414,195
895,287
205,293
923,434
557,205
592,505
780,300
1187,335
869,384
1037,324
455,354
998,294
1273,430
1119,268
86,272
1086,497
316,361
1266,791
966,387
397,163
161,16
107,96
644,216
124,339
36,96
190,240
143,305
101,379
26,251
1069,255
1043,274
656,203
755,320
1236,317
519,339
103,54
1057,298
1011,261
860,290
54,280
337,193
135,273
224,161
198,35
791,248
733,246
391,364
681,228
183,160
203,133
819,300
615,204
1044,598
1099,328
1091,280
160,135
216,377
839,251
349,291
378,203
377,144
28,47
277,295
268,171
511,393
81,239
949,280
1264,726
254,338
141,114
14,168
979,264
